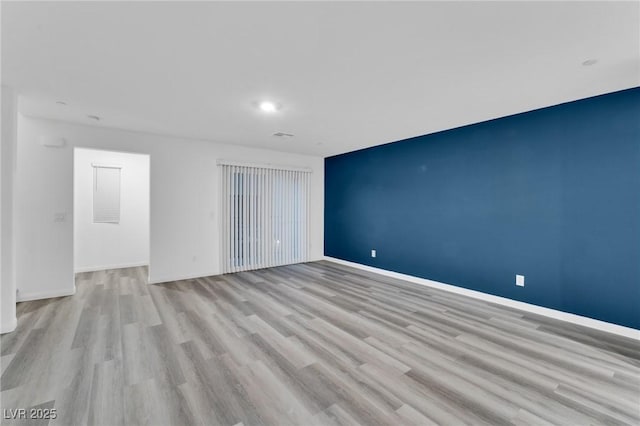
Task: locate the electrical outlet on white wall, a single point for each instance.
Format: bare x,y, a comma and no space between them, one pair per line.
520,280
373,253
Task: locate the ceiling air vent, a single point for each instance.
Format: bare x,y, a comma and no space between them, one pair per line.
283,135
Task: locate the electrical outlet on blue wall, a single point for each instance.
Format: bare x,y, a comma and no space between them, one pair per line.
373,253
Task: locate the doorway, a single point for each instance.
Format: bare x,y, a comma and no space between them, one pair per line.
111,210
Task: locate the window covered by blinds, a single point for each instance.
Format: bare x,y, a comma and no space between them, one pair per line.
265,217
106,194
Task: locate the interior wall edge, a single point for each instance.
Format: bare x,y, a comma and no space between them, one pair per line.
8,150
10,326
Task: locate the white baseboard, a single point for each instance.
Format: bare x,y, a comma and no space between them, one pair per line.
105,267
8,328
37,295
551,313
166,279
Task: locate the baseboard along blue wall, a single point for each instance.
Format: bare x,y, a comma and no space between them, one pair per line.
552,194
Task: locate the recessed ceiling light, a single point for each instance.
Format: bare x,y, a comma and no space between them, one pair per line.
61,103
267,106
590,62
93,117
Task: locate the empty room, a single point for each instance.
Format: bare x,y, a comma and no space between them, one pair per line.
320,213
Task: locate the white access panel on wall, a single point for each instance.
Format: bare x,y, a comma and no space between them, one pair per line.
106,194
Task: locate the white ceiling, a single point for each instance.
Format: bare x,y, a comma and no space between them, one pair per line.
348,75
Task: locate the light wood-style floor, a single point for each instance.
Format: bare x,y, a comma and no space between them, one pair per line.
314,343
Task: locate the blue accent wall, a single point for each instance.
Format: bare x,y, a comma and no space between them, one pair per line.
552,194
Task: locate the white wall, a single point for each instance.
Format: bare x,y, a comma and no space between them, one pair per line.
7,172
99,246
185,231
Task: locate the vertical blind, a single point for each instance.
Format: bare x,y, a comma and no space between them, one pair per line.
265,217
106,194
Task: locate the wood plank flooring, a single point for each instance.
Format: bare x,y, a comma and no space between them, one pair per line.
307,344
